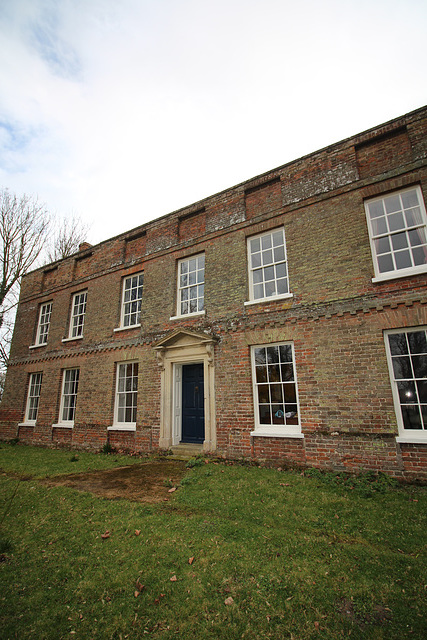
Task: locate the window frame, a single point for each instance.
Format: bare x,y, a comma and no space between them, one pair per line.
77,315
124,302
180,289
39,333
273,264
403,272
404,435
275,430
125,425
28,408
61,421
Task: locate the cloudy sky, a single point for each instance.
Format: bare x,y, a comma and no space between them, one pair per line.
120,111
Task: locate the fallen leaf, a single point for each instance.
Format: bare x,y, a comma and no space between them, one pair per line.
173,579
105,535
172,490
191,560
229,600
139,585
137,532
137,593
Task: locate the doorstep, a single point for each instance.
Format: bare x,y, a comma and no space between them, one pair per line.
186,450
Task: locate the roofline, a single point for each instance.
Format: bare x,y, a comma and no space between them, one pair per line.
358,137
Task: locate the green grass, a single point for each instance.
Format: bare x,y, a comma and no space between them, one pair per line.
41,463
301,557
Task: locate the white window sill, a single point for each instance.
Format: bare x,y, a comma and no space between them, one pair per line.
402,273
132,326
72,339
188,315
27,424
269,433
411,440
63,425
122,427
270,299
36,346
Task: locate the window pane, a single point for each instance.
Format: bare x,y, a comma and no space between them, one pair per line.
287,372
403,260
263,394
382,245
276,393
410,198
417,236
261,373
398,344
399,241
278,413
392,203
260,355
282,286
264,414
290,393
411,417
385,263
419,255
422,390
402,368
417,341
376,209
407,394
419,364
379,226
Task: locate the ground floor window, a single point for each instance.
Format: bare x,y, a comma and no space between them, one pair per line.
34,390
126,393
275,388
70,385
407,359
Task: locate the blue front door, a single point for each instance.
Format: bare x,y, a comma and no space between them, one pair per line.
193,405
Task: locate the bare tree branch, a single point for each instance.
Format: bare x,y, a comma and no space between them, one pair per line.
23,228
66,238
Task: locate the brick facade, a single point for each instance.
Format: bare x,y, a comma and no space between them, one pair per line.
335,319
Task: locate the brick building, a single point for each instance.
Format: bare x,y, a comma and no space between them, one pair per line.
282,319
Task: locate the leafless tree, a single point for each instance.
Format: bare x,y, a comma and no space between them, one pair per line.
66,238
28,235
24,225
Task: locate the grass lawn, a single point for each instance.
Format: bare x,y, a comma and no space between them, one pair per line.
237,552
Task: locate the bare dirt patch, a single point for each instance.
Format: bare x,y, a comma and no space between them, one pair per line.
146,482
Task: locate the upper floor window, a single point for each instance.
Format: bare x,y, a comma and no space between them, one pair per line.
70,385
397,231
78,315
126,394
34,389
275,389
132,299
407,359
44,323
268,271
191,285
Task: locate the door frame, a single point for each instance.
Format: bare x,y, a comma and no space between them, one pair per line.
179,348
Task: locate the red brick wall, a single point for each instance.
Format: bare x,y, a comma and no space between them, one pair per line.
335,319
